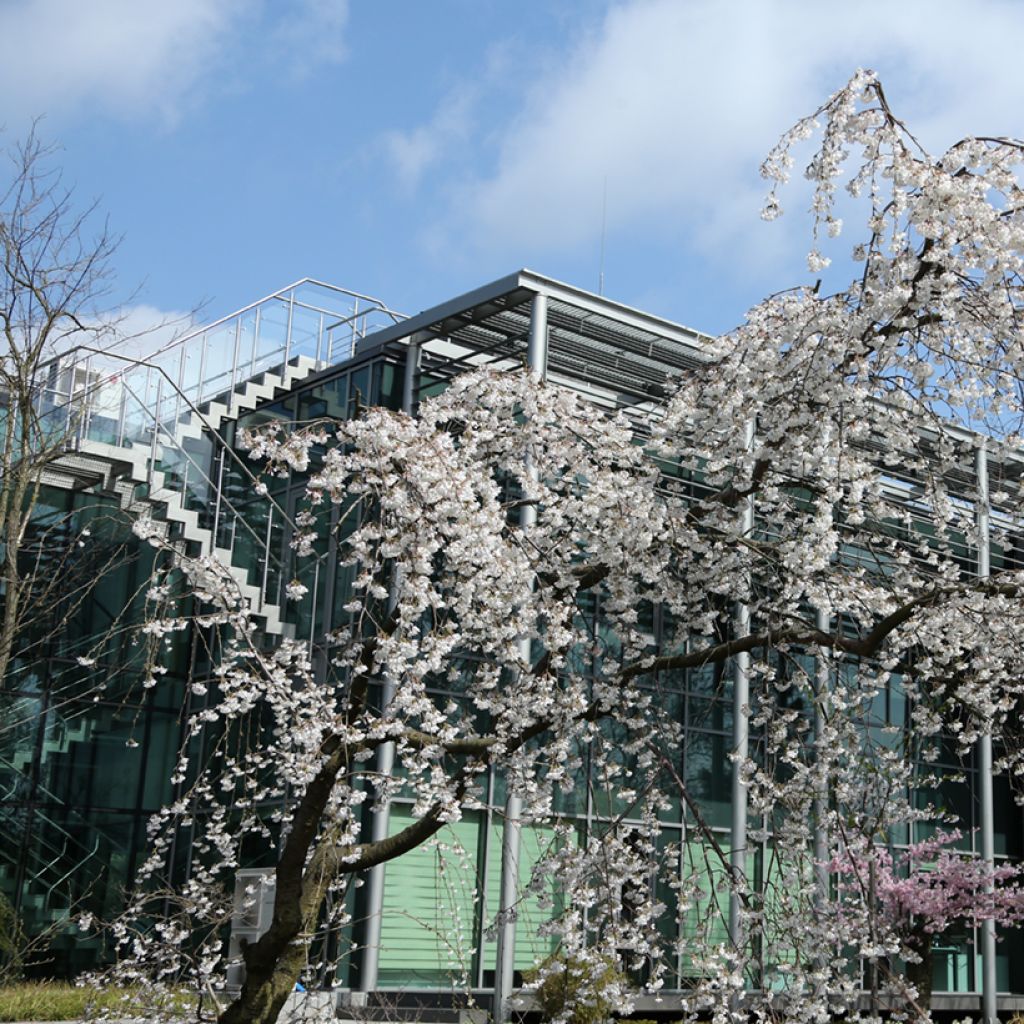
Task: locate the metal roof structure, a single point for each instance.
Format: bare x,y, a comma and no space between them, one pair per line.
614,351
617,356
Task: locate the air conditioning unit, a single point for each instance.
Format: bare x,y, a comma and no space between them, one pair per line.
253,910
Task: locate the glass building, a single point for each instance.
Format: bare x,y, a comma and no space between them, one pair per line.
88,739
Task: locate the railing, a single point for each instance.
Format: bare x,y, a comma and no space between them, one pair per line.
20,782
152,407
308,318
89,394
142,409
63,870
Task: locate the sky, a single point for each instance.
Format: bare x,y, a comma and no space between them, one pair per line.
415,149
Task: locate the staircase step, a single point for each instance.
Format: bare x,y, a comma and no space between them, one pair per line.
126,470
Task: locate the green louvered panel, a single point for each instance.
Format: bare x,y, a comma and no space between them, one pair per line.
428,922
706,924
778,878
530,947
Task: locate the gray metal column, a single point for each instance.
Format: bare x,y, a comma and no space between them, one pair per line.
740,738
381,815
411,379
537,345
511,833
988,928
821,668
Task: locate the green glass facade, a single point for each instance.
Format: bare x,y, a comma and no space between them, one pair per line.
85,750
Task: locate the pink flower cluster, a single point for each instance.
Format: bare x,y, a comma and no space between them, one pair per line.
933,884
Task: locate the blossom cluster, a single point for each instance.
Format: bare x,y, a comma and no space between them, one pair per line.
932,886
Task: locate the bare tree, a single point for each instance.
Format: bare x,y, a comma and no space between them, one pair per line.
58,319
54,286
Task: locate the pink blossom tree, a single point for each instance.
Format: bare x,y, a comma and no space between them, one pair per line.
924,890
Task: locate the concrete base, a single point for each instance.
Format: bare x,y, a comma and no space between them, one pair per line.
309,1008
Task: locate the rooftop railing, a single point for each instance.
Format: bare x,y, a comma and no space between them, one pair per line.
309,318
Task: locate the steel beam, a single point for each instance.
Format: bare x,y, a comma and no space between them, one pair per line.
380,819
740,740
822,673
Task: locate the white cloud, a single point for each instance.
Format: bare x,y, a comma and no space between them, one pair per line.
313,33
411,154
119,55
137,58
138,331
675,103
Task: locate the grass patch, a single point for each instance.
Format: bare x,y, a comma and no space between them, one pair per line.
59,1000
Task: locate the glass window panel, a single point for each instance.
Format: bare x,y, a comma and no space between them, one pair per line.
952,957
531,947
359,390
705,924
710,715
161,751
1009,826
1009,958
389,386
708,775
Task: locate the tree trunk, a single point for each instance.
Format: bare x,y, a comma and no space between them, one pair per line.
274,962
267,985
920,974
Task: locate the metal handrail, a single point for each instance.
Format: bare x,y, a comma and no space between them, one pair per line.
85,361
74,868
224,446
159,427
67,808
219,443
34,876
282,293
63,853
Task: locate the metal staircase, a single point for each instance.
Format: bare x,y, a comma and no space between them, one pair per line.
157,474
158,434
149,430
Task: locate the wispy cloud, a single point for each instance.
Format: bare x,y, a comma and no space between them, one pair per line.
133,59
673,104
114,55
138,331
413,153
312,34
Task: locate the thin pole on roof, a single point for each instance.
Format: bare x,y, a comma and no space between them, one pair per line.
604,225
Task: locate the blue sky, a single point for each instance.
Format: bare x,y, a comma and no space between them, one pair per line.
413,149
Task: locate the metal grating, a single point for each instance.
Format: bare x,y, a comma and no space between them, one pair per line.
628,363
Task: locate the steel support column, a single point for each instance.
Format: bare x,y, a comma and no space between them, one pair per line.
821,669
511,833
984,774
740,739
380,819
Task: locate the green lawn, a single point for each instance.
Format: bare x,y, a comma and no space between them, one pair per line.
58,1000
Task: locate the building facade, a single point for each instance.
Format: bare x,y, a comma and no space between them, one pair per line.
88,739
